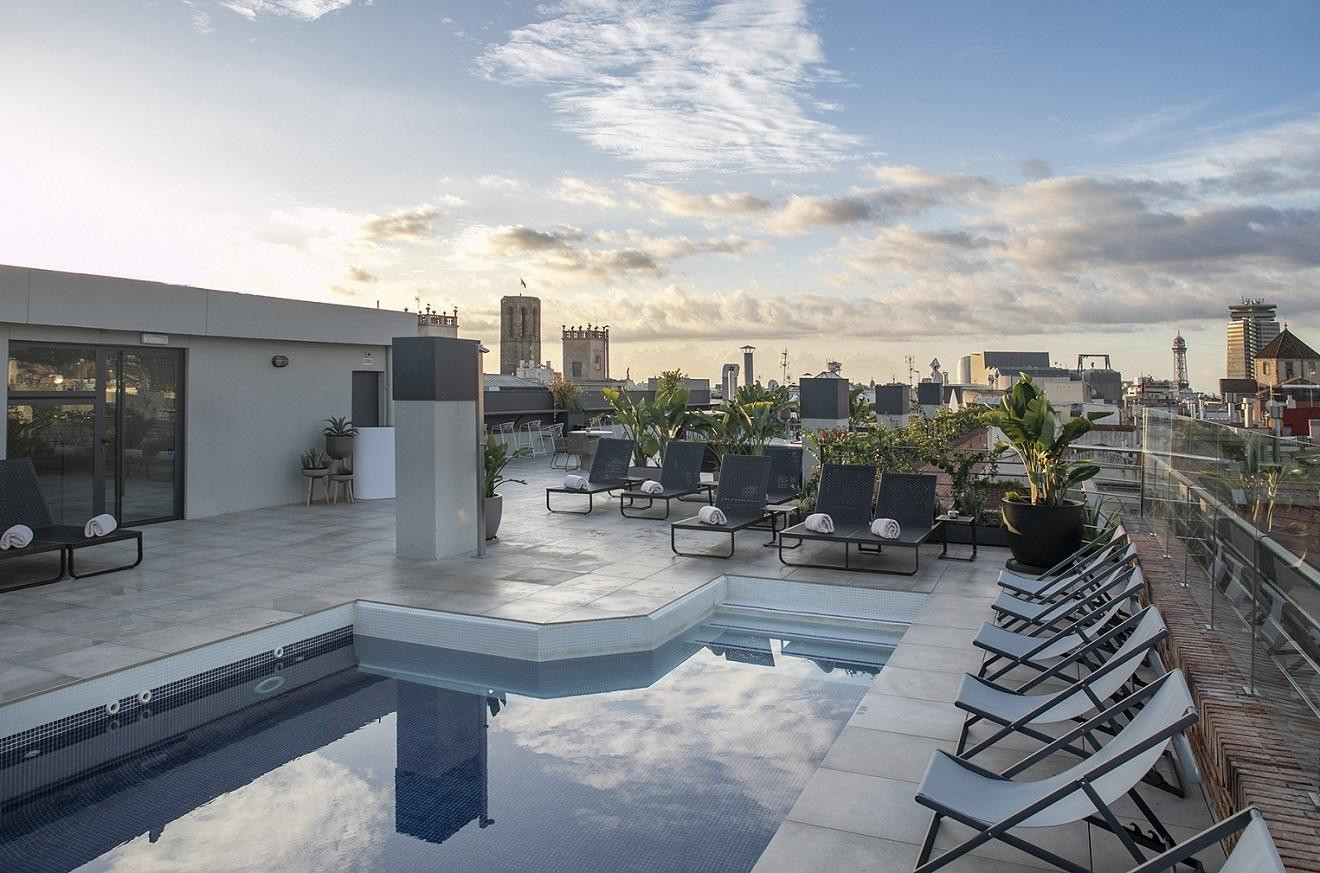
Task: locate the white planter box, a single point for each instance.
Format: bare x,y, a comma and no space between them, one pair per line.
373,463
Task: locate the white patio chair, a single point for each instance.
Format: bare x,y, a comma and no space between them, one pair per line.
999,807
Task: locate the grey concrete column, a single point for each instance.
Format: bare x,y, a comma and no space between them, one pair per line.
436,503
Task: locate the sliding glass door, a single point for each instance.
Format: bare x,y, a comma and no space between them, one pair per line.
103,427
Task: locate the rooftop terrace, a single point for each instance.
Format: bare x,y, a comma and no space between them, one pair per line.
208,579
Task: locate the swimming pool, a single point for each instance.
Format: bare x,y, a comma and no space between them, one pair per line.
385,756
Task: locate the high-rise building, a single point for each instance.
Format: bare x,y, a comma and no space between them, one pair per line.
587,353
520,332
1252,324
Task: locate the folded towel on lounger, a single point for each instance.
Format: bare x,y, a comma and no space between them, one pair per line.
99,525
650,486
886,528
575,483
711,515
819,522
17,537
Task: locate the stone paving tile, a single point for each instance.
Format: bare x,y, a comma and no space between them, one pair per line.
917,684
798,847
94,660
923,718
869,805
18,680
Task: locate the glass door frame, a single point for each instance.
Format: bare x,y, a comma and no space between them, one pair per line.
107,465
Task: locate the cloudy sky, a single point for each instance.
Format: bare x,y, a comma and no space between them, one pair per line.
852,180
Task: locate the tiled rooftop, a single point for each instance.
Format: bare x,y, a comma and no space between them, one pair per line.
209,578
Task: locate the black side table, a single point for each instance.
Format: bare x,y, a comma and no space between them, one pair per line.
966,521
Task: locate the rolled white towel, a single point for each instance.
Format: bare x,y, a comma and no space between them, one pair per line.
575,483
711,515
819,522
17,537
99,525
886,528
650,486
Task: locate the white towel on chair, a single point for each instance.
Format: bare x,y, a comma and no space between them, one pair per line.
650,486
711,515
99,525
17,537
886,528
819,522
575,483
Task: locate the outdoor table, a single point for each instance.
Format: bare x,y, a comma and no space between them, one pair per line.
966,520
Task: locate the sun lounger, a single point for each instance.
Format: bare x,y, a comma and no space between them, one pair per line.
609,472
680,476
741,496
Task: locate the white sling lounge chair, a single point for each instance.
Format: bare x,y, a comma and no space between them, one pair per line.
999,807
1019,711
1014,613
1255,851
1037,648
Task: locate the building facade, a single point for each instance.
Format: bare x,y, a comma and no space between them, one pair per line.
152,401
586,353
1252,325
1285,359
520,333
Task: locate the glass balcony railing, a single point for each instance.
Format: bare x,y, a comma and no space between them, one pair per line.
1238,512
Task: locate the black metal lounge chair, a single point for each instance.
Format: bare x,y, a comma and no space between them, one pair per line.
22,502
609,472
908,498
740,496
680,475
785,474
846,494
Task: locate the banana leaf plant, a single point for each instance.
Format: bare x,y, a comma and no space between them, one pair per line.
1035,434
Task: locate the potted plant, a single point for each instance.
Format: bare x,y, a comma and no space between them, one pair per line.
340,436
1044,526
497,457
314,460
567,397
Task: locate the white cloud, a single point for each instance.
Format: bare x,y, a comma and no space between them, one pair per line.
306,10
678,87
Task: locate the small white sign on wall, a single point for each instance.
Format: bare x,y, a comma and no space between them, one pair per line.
155,339
367,360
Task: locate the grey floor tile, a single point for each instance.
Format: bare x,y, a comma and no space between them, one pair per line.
941,658
883,753
176,637
917,683
17,680
95,660
901,715
870,805
798,847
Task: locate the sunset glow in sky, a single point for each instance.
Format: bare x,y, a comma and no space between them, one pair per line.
848,179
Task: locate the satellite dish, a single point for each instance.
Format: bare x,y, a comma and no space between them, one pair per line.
772,385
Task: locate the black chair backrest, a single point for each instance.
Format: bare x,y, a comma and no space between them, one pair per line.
682,466
847,493
785,472
611,461
21,500
907,498
744,480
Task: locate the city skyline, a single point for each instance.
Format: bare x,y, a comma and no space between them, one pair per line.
850,181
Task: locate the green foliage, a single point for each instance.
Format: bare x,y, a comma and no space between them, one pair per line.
1036,436
314,459
497,458
651,424
860,413
339,426
750,419
567,394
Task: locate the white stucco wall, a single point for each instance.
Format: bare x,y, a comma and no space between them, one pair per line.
245,421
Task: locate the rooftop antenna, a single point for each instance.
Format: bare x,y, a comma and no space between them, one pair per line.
911,367
783,365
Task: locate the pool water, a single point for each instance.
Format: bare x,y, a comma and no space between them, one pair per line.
686,759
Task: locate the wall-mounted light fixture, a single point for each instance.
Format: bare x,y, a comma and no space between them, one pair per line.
279,361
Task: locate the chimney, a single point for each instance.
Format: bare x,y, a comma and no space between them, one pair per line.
748,377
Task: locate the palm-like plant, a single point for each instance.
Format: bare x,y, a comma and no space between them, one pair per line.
1036,436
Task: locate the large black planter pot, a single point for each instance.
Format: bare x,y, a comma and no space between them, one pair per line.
1042,536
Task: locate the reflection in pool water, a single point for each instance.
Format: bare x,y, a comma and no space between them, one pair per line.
355,770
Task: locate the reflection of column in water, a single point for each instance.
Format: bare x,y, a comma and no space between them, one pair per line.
440,769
